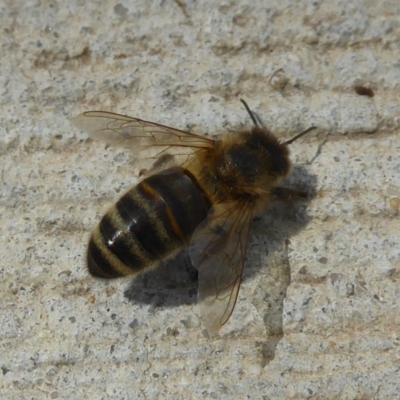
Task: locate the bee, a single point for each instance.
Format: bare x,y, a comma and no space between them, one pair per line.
202,194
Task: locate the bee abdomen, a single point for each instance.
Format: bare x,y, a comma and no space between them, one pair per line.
147,224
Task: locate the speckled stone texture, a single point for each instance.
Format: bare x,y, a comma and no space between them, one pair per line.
319,319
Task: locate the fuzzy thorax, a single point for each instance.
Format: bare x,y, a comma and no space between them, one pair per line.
245,166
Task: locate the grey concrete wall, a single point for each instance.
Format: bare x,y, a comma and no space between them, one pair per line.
320,320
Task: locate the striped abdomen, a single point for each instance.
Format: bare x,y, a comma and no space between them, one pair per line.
149,223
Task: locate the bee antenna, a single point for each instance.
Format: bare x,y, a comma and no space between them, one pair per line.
299,135
250,113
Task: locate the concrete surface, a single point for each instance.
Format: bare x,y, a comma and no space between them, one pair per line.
317,320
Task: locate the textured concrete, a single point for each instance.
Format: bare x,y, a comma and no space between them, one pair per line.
319,319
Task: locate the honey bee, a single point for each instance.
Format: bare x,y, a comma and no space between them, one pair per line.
206,202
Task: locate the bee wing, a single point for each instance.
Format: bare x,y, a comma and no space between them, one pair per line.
137,132
218,252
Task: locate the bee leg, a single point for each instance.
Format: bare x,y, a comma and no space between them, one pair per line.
160,164
288,195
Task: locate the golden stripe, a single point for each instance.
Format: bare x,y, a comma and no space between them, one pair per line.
129,240
113,260
174,222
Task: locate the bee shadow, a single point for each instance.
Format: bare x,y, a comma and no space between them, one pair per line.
283,219
174,283
171,284
273,231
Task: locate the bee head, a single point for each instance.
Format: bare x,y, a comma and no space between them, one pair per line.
254,159
274,156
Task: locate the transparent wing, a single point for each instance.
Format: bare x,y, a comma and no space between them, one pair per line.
218,252
116,127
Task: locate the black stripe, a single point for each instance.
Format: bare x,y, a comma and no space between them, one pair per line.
183,196
140,224
161,212
97,264
116,241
